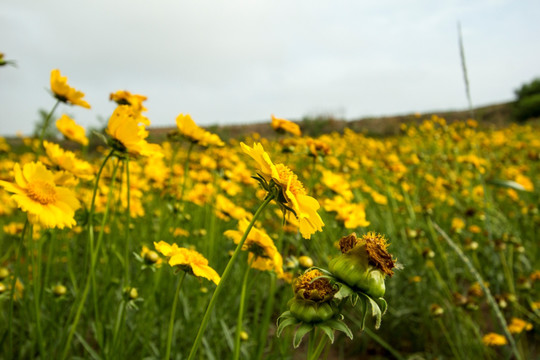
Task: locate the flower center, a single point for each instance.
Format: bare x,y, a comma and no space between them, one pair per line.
41,191
289,179
321,286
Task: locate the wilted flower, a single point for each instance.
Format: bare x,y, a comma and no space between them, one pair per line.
364,263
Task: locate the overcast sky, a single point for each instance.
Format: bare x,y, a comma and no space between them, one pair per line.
238,61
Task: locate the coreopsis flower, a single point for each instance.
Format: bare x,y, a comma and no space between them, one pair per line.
363,264
66,160
353,215
129,134
187,260
317,147
517,326
494,339
292,194
195,134
225,209
37,194
263,254
65,93
283,125
71,130
123,97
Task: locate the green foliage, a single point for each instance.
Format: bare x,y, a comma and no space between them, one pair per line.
528,101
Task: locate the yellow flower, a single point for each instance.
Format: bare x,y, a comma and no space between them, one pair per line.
517,326
195,134
69,128
493,339
188,260
123,97
65,93
263,252
292,190
36,193
66,160
128,129
317,147
283,125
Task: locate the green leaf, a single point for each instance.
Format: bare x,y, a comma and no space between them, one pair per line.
507,183
383,305
363,309
375,311
339,326
300,332
327,330
284,323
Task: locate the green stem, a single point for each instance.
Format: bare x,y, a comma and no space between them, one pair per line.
236,355
36,279
263,336
13,285
173,315
486,290
119,321
320,347
455,352
186,171
224,278
93,255
378,339
45,126
128,221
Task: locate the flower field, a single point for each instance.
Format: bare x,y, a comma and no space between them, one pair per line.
417,246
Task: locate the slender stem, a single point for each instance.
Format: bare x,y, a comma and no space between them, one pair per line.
93,255
224,278
186,171
263,335
383,343
36,279
486,290
128,223
173,315
455,352
45,126
13,286
236,355
320,347
119,320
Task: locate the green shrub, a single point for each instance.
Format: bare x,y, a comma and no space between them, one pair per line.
527,104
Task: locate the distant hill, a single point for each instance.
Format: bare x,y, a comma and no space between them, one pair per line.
496,115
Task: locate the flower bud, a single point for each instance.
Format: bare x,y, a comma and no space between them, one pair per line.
305,261
59,290
4,273
2,288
